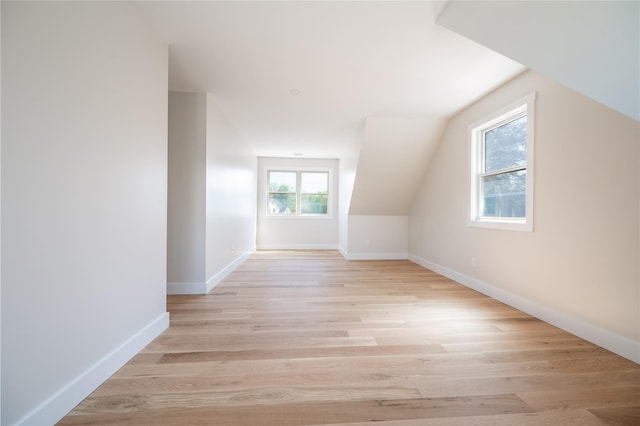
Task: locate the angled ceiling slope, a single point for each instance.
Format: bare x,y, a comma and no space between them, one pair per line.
394,155
592,47
301,77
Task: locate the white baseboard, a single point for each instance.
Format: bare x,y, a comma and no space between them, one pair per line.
297,247
613,342
376,256
343,252
206,287
217,278
63,401
186,288
373,255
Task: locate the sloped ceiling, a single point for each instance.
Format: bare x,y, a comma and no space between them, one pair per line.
302,77
394,156
592,47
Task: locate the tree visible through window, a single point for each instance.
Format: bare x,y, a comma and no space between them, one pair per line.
314,192
298,192
503,178
501,186
282,192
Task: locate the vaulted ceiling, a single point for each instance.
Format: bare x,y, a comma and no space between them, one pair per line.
592,47
302,77
326,79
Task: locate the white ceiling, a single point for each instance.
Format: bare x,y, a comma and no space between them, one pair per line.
348,60
592,47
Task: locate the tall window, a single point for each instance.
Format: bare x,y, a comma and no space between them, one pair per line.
501,175
297,192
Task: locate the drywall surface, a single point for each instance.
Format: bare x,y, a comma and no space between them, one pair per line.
84,172
212,194
347,166
0,215
590,46
187,180
297,232
230,195
394,155
581,260
378,237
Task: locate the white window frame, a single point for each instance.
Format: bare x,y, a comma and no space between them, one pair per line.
299,214
519,108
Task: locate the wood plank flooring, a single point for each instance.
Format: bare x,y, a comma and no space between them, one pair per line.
308,338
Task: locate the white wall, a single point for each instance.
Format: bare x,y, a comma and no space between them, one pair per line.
84,160
212,195
394,154
378,237
392,160
230,196
0,214
590,46
187,191
296,232
579,267
347,167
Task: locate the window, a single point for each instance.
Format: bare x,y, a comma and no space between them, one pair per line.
296,193
501,163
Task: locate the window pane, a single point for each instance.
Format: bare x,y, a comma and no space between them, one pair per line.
313,204
314,183
504,194
282,182
282,203
506,146
282,192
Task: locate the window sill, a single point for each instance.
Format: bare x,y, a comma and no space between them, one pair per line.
298,217
507,225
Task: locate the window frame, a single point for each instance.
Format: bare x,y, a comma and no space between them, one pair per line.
299,171
524,106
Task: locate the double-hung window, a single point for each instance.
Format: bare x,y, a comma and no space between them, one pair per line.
298,193
501,168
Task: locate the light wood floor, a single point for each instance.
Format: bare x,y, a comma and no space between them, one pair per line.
308,338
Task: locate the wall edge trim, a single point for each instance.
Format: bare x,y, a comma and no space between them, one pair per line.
297,247
377,256
63,401
221,275
609,340
343,252
186,288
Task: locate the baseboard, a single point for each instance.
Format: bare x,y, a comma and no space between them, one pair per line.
343,252
217,278
63,401
206,287
297,247
187,288
613,342
374,255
